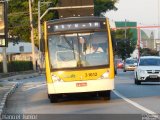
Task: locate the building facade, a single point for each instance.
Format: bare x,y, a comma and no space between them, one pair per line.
19,52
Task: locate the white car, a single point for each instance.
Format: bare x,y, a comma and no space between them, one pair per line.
148,70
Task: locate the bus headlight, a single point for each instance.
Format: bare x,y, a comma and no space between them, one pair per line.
105,75
56,78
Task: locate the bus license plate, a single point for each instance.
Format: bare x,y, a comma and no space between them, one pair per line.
81,84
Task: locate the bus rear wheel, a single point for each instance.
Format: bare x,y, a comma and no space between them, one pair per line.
53,98
106,95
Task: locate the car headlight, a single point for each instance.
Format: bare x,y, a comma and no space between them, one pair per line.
126,66
105,75
142,71
56,78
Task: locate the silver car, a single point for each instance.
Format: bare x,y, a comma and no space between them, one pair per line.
130,64
148,70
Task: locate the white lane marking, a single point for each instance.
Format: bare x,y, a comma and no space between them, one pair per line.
135,104
34,87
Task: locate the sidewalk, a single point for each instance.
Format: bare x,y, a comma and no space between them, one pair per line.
9,84
6,88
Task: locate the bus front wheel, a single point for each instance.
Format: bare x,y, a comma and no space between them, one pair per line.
105,94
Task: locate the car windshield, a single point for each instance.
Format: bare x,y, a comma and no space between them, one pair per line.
149,62
131,61
78,50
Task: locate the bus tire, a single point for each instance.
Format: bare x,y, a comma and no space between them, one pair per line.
108,95
48,96
53,98
105,94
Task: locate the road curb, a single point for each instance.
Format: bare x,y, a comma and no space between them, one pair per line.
6,95
12,90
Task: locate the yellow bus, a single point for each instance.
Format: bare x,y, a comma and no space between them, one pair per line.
78,57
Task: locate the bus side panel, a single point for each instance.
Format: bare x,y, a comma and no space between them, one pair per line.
48,72
47,64
110,52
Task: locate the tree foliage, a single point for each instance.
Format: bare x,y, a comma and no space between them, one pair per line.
18,16
102,6
124,44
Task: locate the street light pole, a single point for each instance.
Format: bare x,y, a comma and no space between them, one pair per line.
39,32
32,36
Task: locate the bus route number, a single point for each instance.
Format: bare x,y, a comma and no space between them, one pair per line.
90,74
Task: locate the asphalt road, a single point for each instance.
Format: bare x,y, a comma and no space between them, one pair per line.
127,98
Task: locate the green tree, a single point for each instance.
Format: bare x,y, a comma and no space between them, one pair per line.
124,46
18,18
102,6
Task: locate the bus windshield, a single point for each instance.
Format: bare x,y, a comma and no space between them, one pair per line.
78,50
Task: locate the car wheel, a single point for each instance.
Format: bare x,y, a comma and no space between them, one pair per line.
124,70
136,81
115,72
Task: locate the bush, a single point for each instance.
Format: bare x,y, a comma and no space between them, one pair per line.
16,66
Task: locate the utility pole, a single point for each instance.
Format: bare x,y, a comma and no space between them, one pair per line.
125,29
32,35
5,70
39,24
139,41
158,28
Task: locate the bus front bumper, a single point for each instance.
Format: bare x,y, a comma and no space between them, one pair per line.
80,86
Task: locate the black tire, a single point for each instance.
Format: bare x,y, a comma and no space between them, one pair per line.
106,95
124,70
136,81
48,96
115,72
53,98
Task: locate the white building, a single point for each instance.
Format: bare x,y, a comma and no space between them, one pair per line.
19,52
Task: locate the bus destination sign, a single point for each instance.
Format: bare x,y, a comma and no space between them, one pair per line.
74,26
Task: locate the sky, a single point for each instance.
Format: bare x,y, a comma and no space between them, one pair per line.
144,12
